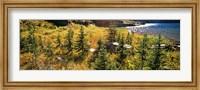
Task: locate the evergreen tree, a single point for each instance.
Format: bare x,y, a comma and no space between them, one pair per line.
69,42
111,38
35,52
41,44
48,50
33,24
142,50
102,58
112,65
58,40
33,48
23,44
157,54
129,42
129,39
100,46
112,34
81,44
121,50
31,42
35,45
29,26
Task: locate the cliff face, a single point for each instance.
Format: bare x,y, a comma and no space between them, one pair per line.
58,22
107,23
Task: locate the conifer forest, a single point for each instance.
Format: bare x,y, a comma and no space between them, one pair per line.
99,45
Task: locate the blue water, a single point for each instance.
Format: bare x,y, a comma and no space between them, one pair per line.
169,30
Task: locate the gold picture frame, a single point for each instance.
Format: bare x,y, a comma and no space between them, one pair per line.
194,4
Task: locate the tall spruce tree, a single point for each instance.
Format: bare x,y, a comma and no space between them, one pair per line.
49,50
129,39
23,44
30,27
157,54
81,43
41,44
121,50
142,50
100,45
69,42
112,34
129,42
102,58
34,24
36,52
58,40
34,44
31,41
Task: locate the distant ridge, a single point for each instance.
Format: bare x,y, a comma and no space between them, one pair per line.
106,23
158,21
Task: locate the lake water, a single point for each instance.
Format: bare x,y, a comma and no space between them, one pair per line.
169,30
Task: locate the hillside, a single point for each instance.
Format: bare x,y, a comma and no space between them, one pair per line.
47,46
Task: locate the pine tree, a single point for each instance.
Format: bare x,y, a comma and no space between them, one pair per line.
41,44
142,50
102,58
81,44
33,48
112,34
29,26
33,24
31,38
30,42
69,42
157,54
129,39
36,52
129,42
35,45
100,45
23,44
121,50
58,40
48,50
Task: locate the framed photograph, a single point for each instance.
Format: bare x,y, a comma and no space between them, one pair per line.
96,44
